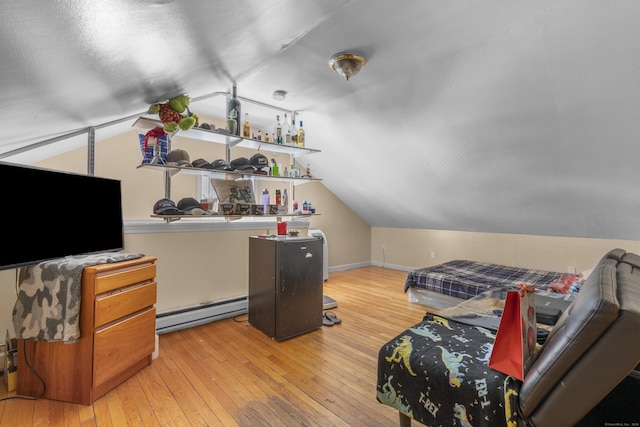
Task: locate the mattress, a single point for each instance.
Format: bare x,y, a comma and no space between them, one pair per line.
465,279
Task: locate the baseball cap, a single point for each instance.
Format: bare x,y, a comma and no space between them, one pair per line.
259,161
179,157
202,164
166,207
222,165
190,206
241,163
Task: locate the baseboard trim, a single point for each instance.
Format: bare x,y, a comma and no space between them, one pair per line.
187,317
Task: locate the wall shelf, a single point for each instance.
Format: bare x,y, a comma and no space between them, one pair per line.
221,137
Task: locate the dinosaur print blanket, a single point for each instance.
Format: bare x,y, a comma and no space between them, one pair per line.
48,304
437,373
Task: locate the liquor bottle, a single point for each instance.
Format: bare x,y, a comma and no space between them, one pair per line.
246,130
300,135
286,131
294,131
234,109
277,131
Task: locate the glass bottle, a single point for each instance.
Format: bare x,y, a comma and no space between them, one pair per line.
277,131
294,131
234,109
300,135
266,136
285,198
246,130
266,200
286,131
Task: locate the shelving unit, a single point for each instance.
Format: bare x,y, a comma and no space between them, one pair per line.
230,141
222,137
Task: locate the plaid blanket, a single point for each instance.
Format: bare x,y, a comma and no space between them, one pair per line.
466,279
48,305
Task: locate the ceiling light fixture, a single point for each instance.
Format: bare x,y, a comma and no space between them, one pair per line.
347,64
279,95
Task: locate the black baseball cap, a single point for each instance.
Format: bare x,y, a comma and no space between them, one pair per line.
167,207
222,165
190,206
259,161
202,164
241,163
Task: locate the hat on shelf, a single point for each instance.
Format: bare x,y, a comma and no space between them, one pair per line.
222,165
178,157
202,164
241,164
190,206
259,161
166,207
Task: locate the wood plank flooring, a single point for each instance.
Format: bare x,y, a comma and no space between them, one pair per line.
227,373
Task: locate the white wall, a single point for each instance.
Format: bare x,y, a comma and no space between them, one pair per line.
411,248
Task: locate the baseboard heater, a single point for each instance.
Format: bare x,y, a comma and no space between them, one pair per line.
173,320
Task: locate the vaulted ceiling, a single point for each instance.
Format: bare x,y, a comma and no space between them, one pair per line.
478,115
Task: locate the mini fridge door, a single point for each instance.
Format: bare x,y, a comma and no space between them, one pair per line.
299,286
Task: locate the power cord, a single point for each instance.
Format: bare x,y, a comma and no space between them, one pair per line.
26,361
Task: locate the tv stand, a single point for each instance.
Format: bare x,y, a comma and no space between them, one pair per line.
117,337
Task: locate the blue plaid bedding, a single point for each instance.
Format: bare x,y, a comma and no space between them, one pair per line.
466,279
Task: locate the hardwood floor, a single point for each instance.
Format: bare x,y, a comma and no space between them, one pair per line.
227,373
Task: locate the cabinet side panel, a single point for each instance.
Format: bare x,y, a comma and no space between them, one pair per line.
262,290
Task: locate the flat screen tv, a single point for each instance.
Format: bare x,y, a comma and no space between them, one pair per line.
49,214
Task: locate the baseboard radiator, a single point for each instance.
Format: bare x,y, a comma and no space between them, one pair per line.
173,320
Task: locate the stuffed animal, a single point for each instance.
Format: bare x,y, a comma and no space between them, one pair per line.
175,114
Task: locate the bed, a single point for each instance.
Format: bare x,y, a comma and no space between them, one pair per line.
443,285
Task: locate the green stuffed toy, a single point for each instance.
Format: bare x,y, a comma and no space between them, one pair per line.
175,114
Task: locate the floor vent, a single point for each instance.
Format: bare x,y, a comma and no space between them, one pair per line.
169,321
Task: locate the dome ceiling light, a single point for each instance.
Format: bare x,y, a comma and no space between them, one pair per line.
279,95
347,64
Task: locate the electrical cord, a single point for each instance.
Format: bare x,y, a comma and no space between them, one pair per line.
26,361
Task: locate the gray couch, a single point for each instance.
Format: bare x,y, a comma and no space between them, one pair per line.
592,348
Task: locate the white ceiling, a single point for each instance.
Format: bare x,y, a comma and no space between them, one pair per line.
479,115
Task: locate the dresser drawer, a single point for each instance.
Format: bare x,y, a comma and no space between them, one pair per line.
115,279
122,302
122,344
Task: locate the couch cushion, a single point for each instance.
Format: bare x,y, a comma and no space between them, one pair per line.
590,349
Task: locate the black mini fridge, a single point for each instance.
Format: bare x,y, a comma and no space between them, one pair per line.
285,285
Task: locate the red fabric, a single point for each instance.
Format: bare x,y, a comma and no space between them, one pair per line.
563,283
155,132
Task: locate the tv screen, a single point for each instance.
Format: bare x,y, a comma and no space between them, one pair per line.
49,214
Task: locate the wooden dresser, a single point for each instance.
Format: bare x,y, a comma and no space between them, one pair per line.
117,336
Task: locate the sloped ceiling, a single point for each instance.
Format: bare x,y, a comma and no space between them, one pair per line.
490,115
